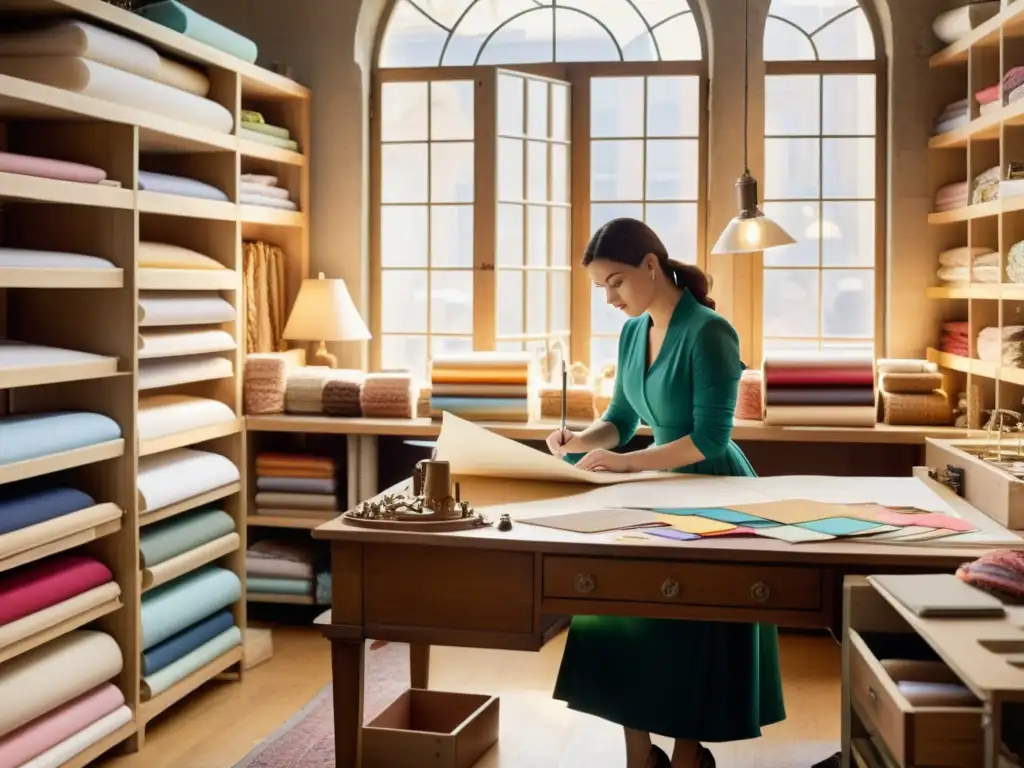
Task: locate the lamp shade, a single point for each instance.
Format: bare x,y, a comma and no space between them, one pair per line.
324,311
749,235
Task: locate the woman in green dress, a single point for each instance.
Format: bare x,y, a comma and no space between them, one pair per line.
678,371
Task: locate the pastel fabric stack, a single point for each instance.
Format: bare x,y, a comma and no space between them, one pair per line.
955,115
186,625
819,388
296,485
986,186
482,386
304,389
962,266
912,394
258,189
955,339
83,58
47,168
952,196
256,128
57,699
280,567
388,396
1003,345
340,395
995,96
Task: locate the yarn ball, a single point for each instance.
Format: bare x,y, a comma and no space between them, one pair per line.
748,401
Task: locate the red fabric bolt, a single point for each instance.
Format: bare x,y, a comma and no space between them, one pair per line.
39,585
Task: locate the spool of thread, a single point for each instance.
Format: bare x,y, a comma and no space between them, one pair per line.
748,401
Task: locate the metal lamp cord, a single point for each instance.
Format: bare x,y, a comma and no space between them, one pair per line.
746,82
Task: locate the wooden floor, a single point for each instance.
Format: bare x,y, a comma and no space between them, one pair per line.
218,725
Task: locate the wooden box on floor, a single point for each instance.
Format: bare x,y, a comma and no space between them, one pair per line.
431,729
987,488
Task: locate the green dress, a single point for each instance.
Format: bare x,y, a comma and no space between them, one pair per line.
702,680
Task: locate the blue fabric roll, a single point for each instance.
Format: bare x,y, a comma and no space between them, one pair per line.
31,435
35,507
175,606
186,641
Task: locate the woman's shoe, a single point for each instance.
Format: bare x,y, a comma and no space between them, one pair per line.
659,759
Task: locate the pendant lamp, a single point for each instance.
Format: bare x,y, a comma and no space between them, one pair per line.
750,231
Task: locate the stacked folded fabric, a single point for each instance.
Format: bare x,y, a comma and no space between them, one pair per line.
819,388
482,386
56,700
1007,91
1015,263
171,548
304,389
46,168
341,392
255,128
956,115
579,402
1002,345
296,485
952,196
264,384
182,186
259,189
912,394
186,625
177,268
282,567
955,338
960,266
388,396
986,186
80,57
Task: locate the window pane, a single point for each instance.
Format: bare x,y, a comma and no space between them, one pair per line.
451,173
536,301
536,235
403,236
791,168
848,297
450,345
536,171
510,169
451,110
525,39
559,218
602,213
617,107
537,109
672,169
593,35
509,302
403,173
509,346
784,42
849,105
403,114
451,236
678,39
559,301
559,173
603,317
510,246
451,301
604,350
790,302
511,99
676,225
800,221
560,112
848,168
404,301
616,170
792,105
848,234
849,37
672,106
405,353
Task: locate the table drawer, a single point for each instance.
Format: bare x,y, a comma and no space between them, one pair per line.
668,581
937,737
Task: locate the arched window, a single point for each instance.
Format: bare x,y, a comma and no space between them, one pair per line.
824,177
504,133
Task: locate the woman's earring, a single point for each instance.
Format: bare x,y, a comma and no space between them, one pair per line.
652,274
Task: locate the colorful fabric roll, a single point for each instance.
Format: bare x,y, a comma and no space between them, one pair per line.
39,585
294,465
186,641
483,386
276,559
999,572
819,388
24,507
931,409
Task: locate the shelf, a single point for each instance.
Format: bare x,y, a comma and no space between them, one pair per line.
16,186
194,352
96,522
187,280
191,437
282,521
153,707
275,217
983,368
1010,21
55,373
58,462
263,597
88,756
985,128
33,277
189,561
203,374
258,151
988,291
58,630
979,211
148,518
181,205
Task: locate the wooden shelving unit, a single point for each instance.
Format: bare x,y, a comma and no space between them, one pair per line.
995,139
97,312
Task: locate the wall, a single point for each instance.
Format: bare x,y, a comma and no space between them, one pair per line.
329,44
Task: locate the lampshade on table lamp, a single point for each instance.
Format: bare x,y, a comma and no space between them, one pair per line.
323,312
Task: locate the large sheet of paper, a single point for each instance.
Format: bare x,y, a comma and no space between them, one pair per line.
475,451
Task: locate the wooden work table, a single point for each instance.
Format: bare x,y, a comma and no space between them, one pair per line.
511,590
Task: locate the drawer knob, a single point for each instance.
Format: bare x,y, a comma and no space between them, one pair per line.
584,583
670,589
760,592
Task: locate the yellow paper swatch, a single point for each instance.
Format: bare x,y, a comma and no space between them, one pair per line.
694,524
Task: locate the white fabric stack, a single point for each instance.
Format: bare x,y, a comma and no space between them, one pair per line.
960,266
259,189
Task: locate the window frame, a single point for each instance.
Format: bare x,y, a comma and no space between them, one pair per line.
578,75
877,66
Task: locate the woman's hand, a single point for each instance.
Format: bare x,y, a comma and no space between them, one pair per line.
563,441
603,460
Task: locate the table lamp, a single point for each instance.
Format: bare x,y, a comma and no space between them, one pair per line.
323,311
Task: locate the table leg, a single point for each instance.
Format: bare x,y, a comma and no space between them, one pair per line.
419,666
347,670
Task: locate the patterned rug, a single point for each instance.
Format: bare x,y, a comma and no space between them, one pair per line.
307,739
